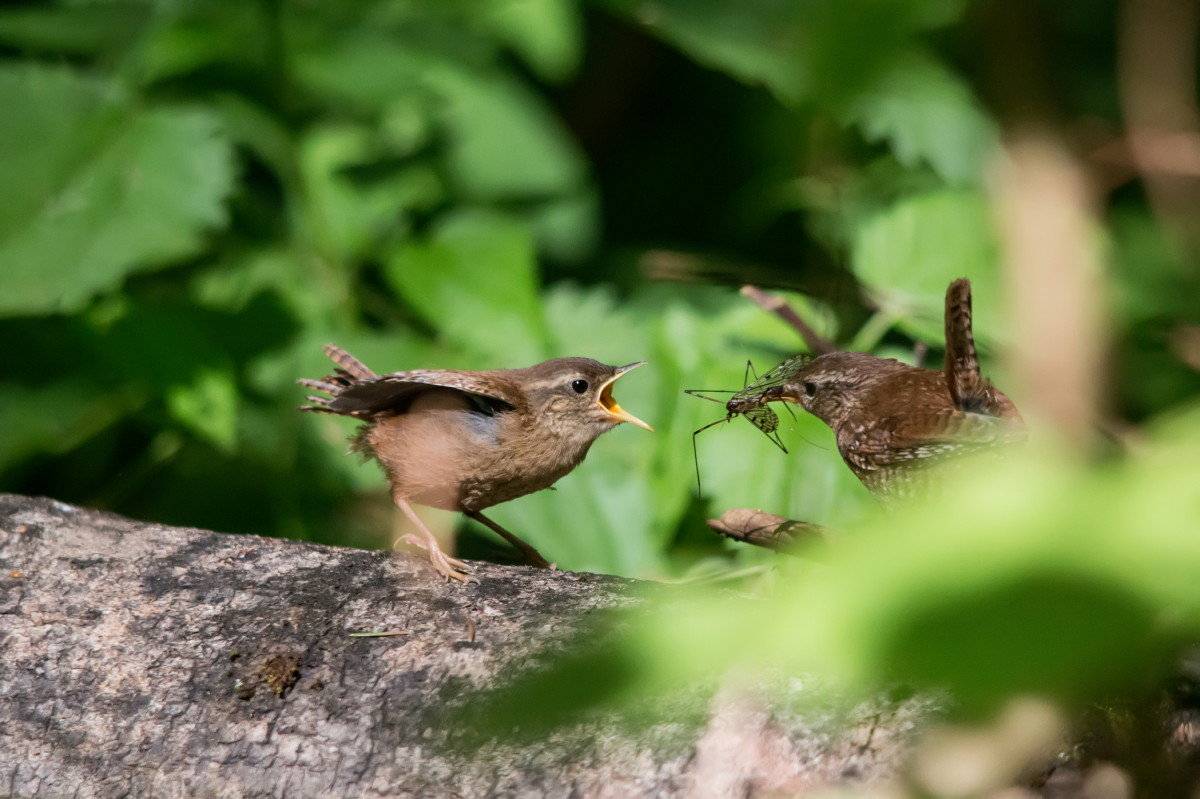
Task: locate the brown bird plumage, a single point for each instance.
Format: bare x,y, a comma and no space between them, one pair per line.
467,440
892,420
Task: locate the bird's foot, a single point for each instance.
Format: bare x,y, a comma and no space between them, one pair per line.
447,566
534,558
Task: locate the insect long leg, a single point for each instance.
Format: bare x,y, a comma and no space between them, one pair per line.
696,451
696,392
750,368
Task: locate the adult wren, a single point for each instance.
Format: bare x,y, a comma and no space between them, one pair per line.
467,440
893,421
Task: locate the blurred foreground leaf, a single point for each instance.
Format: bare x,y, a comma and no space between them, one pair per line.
1041,576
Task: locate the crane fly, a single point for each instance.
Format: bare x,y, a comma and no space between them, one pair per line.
751,401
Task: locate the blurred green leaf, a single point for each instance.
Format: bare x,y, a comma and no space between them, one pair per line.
348,216
78,28
475,281
497,141
96,189
52,419
928,115
190,37
207,406
760,45
547,34
907,255
1038,576
823,50
503,142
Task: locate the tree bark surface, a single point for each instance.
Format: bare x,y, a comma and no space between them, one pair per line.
140,660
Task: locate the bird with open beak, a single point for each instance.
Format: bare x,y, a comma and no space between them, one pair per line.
467,440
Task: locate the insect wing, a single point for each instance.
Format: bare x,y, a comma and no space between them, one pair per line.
775,377
765,420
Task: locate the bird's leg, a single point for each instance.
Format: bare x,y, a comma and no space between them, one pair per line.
448,567
532,556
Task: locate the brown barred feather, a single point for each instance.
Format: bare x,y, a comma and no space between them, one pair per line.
351,367
968,388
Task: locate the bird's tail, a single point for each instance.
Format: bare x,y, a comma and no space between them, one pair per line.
350,371
968,388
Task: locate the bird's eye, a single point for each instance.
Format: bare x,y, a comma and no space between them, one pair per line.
579,386
810,388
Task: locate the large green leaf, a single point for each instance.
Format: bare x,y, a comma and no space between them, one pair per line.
802,50
98,187
53,418
503,141
498,140
76,28
928,115
907,255
546,33
352,217
475,281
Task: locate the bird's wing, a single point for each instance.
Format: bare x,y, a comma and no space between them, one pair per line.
390,391
928,438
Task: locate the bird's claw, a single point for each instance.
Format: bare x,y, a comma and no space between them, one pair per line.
445,565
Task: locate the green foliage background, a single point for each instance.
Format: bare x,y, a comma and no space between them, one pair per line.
197,196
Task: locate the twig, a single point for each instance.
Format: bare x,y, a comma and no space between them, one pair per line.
777,306
470,628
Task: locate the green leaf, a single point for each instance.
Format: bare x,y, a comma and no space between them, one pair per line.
547,34
77,28
348,216
927,115
503,140
475,281
52,419
907,255
97,188
208,406
826,51
499,141
757,42
191,37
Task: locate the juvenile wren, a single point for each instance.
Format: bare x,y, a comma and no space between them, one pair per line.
892,420
467,440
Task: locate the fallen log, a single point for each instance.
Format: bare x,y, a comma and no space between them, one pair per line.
140,660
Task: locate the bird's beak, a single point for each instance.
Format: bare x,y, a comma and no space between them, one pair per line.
610,405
